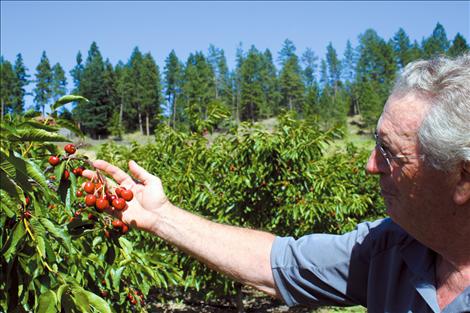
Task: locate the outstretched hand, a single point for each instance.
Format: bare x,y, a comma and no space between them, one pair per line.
149,196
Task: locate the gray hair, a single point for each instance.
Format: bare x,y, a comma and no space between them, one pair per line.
444,135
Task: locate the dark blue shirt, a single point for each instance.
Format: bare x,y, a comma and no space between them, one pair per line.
378,265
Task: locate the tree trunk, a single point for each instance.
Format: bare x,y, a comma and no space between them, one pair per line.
174,111
121,112
147,124
141,128
3,108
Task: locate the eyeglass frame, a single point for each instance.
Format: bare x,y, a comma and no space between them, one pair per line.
387,155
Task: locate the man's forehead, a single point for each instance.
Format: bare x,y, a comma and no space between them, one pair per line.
403,115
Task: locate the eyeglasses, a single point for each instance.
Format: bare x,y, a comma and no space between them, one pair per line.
388,156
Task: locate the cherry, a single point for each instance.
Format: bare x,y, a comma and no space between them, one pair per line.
119,204
117,223
78,171
127,195
106,234
65,175
91,217
124,228
90,200
79,193
89,187
70,148
104,293
27,214
27,200
54,160
119,190
77,213
133,301
102,204
111,197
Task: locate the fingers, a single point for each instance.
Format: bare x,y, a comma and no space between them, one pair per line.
115,172
141,174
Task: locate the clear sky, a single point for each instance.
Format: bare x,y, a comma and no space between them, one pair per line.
62,28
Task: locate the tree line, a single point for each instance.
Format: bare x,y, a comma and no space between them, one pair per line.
137,95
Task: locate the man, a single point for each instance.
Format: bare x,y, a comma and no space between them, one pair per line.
418,260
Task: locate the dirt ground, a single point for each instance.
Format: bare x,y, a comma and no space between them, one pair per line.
253,302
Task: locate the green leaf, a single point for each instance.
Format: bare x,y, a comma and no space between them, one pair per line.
34,124
40,135
84,299
47,302
116,277
7,205
16,168
56,232
18,233
66,99
126,245
70,126
9,185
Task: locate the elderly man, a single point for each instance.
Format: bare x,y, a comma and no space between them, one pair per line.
418,260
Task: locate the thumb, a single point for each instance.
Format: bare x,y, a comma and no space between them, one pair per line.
140,173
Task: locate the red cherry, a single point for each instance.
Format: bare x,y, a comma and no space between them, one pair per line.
111,197
102,204
89,187
78,171
27,200
79,193
119,190
106,234
77,213
90,200
124,228
91,217
54,160
117,223
119,204
65,175
70,148
27,214
127,195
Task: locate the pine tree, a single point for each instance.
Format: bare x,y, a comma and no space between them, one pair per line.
93,116
22,82
59,82
401,48
152,97
198,88
286,52
111,99
376,63
137,92
43,89
437,43
309,60
251,89
172,83
334,67
290,84
269,85
458,47
8,81
124,88
77,73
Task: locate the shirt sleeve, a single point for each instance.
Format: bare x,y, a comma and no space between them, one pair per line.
323,269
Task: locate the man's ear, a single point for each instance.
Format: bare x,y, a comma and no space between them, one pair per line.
462,189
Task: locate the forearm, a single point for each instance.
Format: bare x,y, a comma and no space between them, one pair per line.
242,254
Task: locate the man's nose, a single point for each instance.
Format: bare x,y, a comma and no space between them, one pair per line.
376,163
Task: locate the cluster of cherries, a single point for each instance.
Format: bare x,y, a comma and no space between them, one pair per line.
98,195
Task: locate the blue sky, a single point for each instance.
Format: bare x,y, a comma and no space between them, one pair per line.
62,28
